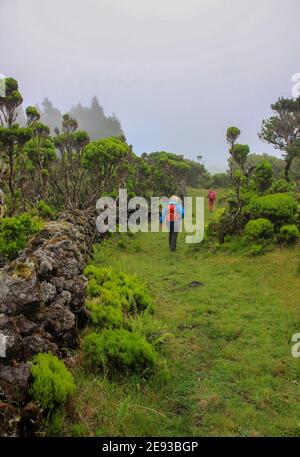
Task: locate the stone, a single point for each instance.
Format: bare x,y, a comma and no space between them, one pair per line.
42,305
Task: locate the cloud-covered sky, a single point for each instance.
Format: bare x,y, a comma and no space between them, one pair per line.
177,73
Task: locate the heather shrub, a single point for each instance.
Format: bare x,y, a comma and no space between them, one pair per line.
289,234
118,350
256,250
278,208
14,233
282,186
105,316
259,228
52,381
114,295
214,225
154,331
45,211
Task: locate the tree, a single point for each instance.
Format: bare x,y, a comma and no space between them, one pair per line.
232,135
277,164
50,116
239,153
220,180
101,160
263,176
67,176
10,102
12,137
283,130
40,153
93,120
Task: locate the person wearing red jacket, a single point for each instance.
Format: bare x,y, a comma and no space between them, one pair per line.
212,198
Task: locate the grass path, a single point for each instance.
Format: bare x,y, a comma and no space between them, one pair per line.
230,367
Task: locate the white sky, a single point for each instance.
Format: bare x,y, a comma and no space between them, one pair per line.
177,73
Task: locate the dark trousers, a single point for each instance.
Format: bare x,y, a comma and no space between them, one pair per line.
173,233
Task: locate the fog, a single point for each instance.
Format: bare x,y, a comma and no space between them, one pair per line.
176,74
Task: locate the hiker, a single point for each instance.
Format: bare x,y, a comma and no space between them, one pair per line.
1,204
173,213
212,198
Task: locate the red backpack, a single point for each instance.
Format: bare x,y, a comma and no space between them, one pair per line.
172,215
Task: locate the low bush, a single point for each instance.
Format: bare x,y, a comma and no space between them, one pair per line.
281,186
105,316
278,208
115,295
289,234
14,233
256,250
214,224
45,211
259,228
118,350
154,331
52,381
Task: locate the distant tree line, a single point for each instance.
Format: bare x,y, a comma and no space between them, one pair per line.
65,164
59,165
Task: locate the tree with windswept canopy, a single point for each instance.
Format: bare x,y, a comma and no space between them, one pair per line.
12,140
101,159
40,154
67,176
239,153
282,130
232,135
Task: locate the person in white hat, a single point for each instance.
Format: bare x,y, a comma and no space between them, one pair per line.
173,213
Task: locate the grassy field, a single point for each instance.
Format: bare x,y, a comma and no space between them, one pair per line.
229,372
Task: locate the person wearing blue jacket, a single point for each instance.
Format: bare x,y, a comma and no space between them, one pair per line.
173,213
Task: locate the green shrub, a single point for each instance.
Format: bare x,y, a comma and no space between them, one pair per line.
105,316
118,350
123,294
289,233
278,208
259,228
257,249
14,233
213,225
263,176
154,331
55,424
45,211
52,381
281,186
